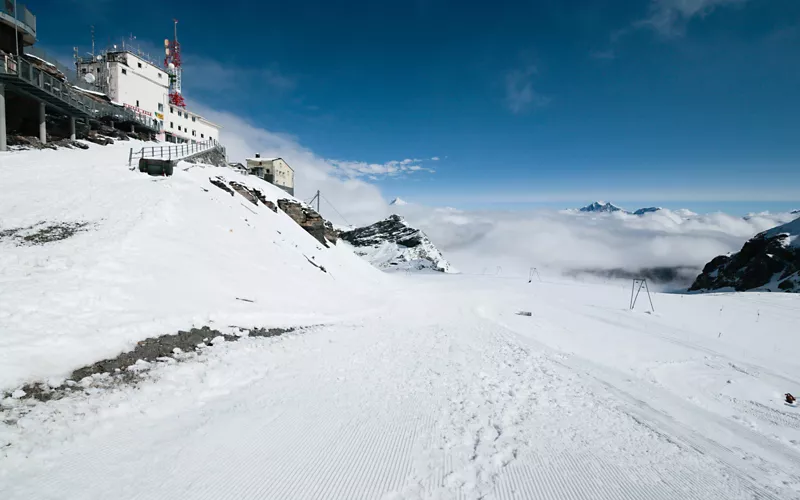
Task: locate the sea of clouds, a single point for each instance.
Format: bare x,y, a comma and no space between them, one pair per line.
568,241
477,241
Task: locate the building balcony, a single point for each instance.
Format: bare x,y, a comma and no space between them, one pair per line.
22,20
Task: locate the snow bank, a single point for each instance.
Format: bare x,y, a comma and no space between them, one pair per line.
157,254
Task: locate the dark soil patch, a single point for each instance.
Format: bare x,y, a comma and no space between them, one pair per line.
54,232
150,350
42,233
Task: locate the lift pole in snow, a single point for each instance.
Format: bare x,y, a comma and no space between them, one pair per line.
316,197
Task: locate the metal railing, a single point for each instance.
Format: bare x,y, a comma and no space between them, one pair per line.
23,16
68,96
174,151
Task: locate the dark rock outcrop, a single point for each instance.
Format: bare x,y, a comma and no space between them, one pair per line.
220,183
393,243
310,220
770,259
647,210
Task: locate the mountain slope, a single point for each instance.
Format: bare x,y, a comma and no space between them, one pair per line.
393,244
770,261
145,256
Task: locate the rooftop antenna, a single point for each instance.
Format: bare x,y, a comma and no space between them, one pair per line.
172,63
93,42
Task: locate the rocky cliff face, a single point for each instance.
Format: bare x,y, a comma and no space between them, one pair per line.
769,261
393,244
310,220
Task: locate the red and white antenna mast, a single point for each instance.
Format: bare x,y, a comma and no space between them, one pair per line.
172,63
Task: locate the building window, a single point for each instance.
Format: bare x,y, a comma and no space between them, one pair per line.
124,71
137,103
171,125
140,65
194,118
83,71
194,133
179,128
159,75
202,136
179,113
160,107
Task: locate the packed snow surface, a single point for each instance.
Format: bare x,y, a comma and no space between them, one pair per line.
157,254
406,386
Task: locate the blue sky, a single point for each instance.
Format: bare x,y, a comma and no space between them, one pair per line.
681,103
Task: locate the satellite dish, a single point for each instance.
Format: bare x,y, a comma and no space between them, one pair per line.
89,78
171,66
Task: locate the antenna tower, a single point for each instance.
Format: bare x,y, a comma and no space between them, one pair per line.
172,63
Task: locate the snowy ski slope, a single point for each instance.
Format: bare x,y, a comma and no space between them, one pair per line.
158,255
446,393
425,386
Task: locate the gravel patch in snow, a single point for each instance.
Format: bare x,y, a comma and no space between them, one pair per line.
126,367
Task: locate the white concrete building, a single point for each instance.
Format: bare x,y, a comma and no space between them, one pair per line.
138,84
274,170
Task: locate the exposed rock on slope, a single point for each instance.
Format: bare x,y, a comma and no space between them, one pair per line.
310,220
769,261
393,244
647,210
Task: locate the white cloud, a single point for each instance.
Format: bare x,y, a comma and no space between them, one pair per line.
669,17
435,158
520,94
357,201
394,168
202,73
559,241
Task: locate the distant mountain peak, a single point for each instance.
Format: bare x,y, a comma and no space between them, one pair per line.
399,202
646,210
601,206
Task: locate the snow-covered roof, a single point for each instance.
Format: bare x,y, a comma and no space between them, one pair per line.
86,91
263,159
31,56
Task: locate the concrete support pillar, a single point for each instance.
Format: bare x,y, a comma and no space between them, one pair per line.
112,123
133,130
42,123
3,141
72,134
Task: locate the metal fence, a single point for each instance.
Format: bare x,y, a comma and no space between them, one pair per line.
174,151
64,92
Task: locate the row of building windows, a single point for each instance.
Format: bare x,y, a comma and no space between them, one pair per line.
124,71
182,113
184,129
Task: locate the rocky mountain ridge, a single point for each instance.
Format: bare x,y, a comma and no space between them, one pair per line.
769,261
393,244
